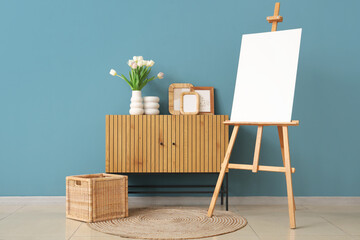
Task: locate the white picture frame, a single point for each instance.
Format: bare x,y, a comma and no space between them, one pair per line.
190,103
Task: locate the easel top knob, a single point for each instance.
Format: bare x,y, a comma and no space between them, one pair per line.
276,18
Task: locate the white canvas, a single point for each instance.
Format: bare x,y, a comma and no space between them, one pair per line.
265,82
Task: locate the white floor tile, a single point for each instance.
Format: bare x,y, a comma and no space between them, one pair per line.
6,210
37,222
270,222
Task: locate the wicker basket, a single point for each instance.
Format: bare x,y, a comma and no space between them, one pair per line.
96,197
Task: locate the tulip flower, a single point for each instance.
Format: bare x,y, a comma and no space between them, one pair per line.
113,72
130,62
134,65
138,58
139,73
150,63
160,75
140,63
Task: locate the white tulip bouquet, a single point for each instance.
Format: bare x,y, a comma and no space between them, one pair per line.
139,71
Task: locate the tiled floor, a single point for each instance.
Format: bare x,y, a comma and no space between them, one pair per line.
40,222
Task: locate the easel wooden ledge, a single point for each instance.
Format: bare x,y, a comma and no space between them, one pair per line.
255,167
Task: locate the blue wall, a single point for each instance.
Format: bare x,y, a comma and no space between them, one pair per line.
55,89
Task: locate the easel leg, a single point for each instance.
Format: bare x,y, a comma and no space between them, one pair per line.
257,149
281,138
224,166
288,177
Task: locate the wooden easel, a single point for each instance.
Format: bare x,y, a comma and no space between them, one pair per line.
284,144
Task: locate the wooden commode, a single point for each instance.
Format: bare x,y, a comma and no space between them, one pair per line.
165,143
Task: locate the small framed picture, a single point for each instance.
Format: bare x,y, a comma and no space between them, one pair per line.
190,103
175,91
206,99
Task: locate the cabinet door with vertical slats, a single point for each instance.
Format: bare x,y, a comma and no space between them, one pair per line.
161,144
165,143
140,143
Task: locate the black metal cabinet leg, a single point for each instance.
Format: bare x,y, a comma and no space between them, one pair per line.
227,191
222,194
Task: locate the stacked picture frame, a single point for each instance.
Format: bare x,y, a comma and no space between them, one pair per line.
184,98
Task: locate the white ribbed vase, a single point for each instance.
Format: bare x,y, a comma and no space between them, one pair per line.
151,105
136,105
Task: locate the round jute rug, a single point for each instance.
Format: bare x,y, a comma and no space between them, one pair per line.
171,223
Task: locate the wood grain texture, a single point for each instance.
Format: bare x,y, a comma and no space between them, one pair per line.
226,135
292,123
140,133
136,143
218,142
289,187
132,144
119,169
194,144
198,144
206,144
281,139
115,144
123,146
215,157
257,149
153,143
185,144
276,18
166,146
144,144
261,168
177,144
173,140
128,143
161,144
157,144
202,143
169,143
222,138
181,143
107,143
165,143
111,144
190,147
210,144
148,143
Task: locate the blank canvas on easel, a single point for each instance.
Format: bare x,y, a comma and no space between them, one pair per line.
266,77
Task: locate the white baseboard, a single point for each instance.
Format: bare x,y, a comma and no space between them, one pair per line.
176,201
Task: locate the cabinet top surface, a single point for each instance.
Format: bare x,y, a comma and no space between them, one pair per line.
168,115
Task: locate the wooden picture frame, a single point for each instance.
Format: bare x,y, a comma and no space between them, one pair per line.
175,91
206,99
185,109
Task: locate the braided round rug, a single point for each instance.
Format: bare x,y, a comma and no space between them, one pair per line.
171,223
